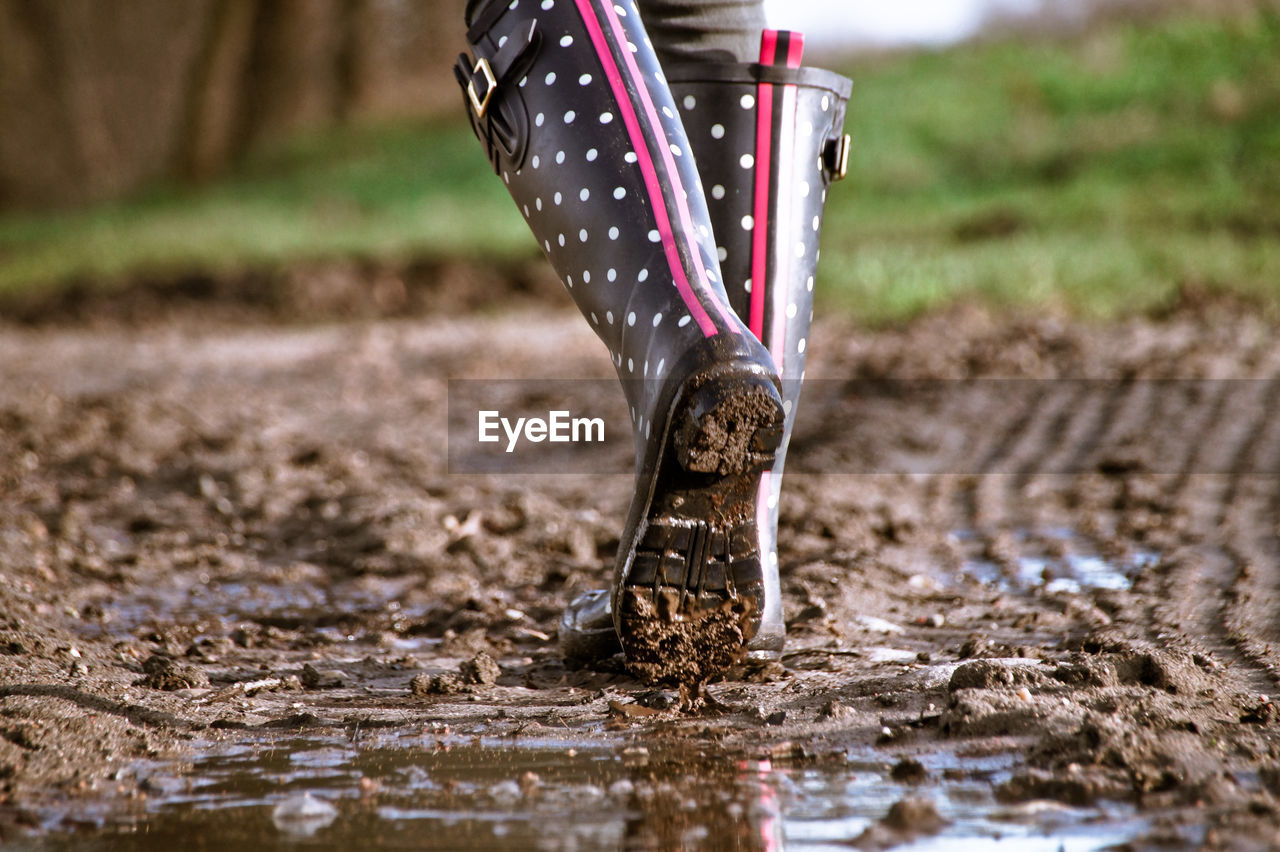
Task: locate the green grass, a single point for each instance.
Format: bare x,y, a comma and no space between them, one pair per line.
1099,175
403,191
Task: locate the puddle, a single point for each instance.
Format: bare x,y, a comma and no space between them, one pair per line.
423,787
420,790
337,612
1073,567
292,603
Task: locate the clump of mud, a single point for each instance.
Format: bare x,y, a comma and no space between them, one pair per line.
682,644
906,820
161,672
727,439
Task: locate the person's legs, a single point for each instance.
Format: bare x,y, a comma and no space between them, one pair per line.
768,139
569,100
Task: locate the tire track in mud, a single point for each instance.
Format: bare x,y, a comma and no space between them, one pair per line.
1118,398
1087,415
1199,598
1076,422
1128,411
1194,485
1252,460
1219,591
1053,419
1247,520
979,495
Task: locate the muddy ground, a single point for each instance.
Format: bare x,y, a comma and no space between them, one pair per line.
213,522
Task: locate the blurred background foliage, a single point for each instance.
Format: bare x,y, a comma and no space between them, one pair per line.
1105,170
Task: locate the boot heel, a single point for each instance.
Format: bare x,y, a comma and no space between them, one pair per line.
733,424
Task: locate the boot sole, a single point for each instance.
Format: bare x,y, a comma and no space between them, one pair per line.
692,597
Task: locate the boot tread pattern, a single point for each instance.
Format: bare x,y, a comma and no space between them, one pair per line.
693,595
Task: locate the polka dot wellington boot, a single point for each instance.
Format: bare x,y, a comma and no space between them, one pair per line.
769,140
571,103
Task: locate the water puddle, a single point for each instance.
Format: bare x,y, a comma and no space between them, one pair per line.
1053,561
425,787
425,790
337,612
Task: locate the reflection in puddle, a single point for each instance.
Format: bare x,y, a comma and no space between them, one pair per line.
449,792
1074,568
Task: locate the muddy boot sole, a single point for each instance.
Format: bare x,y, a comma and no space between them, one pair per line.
692,598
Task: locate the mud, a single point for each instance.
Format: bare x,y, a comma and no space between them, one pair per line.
682,642
216,534
727,439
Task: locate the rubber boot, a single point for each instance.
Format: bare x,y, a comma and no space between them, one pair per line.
571,104
769,140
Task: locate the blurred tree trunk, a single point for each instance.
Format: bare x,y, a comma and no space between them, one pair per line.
357,59
293,69
29,63
215,102
99,96
89,94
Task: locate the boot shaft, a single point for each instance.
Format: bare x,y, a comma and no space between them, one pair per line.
572,107
578,121
768,138
769,141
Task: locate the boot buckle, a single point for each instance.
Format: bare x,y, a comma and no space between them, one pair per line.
481,103
838,157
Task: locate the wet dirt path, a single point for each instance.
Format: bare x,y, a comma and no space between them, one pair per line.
1031,576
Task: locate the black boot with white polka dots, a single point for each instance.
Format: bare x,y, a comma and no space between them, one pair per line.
768,139
573,108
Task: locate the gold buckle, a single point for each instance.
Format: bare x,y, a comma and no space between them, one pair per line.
477,103
841,170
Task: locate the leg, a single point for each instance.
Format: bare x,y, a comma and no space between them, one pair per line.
570,103
768,139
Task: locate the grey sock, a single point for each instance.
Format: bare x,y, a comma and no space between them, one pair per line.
704,30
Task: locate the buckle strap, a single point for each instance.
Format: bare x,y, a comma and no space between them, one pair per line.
493,68
835,156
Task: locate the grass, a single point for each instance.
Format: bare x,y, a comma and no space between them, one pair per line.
1101,175
401,191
